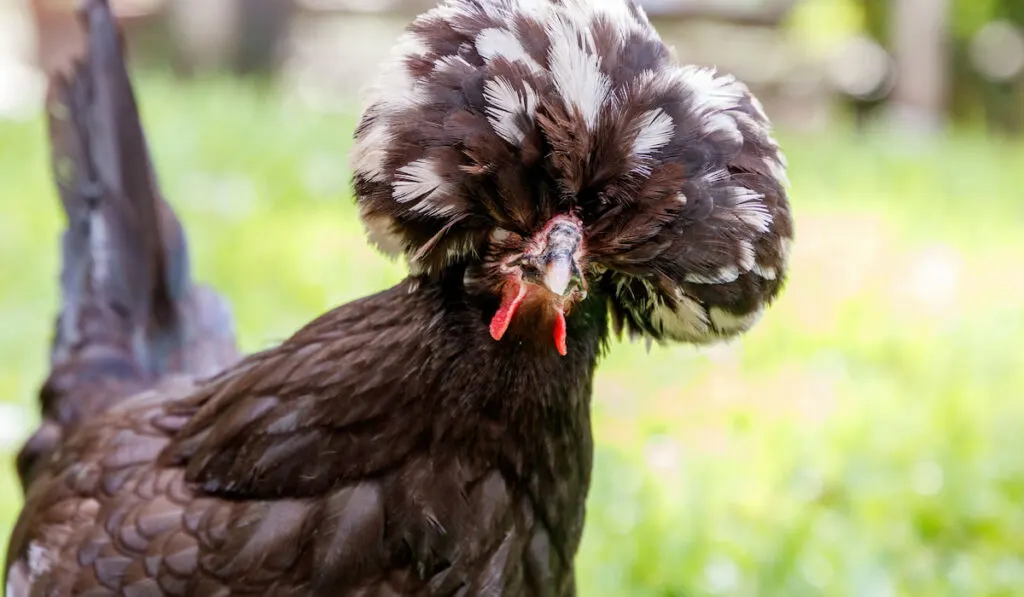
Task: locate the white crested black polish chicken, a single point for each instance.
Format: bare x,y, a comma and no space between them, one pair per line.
552,178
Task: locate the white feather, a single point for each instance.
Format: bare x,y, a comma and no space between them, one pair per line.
653,132
576,69
712,92
719,98
739,195
757,129
725,275
785,247
758,107
447,11
370,151
396,86
417,179
380,231
749,207
766,272
616,11
730,324
715,97
450,63
717,176
431,208
723,123
40,562
747,257
538,9
409,45
686,320
777,168
500,43
505,105
644,78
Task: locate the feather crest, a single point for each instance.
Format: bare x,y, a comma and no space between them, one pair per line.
498,115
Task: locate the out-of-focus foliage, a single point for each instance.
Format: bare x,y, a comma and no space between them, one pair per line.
966,18
973,98
831,19
971,15
865,439
822,24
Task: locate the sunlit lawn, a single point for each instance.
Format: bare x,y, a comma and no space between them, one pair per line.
866,439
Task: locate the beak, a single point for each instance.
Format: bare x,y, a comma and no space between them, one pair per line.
559,272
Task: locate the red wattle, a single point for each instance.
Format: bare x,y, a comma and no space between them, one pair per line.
560,333
511,297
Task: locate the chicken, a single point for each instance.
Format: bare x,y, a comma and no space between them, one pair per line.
551,177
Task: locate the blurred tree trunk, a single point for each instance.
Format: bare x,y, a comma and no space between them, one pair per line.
265,27
877,15
919,39
241,36
204,33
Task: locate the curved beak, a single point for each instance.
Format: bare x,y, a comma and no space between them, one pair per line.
559,272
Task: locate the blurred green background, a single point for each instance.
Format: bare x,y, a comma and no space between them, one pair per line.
866,439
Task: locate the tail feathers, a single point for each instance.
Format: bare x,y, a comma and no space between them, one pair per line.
130,313
116,219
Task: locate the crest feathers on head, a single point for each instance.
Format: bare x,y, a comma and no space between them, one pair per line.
500,114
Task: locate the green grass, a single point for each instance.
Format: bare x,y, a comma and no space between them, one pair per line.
865,439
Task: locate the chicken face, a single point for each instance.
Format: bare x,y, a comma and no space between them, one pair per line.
545,269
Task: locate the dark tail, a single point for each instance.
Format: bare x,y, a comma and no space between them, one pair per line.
130,313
